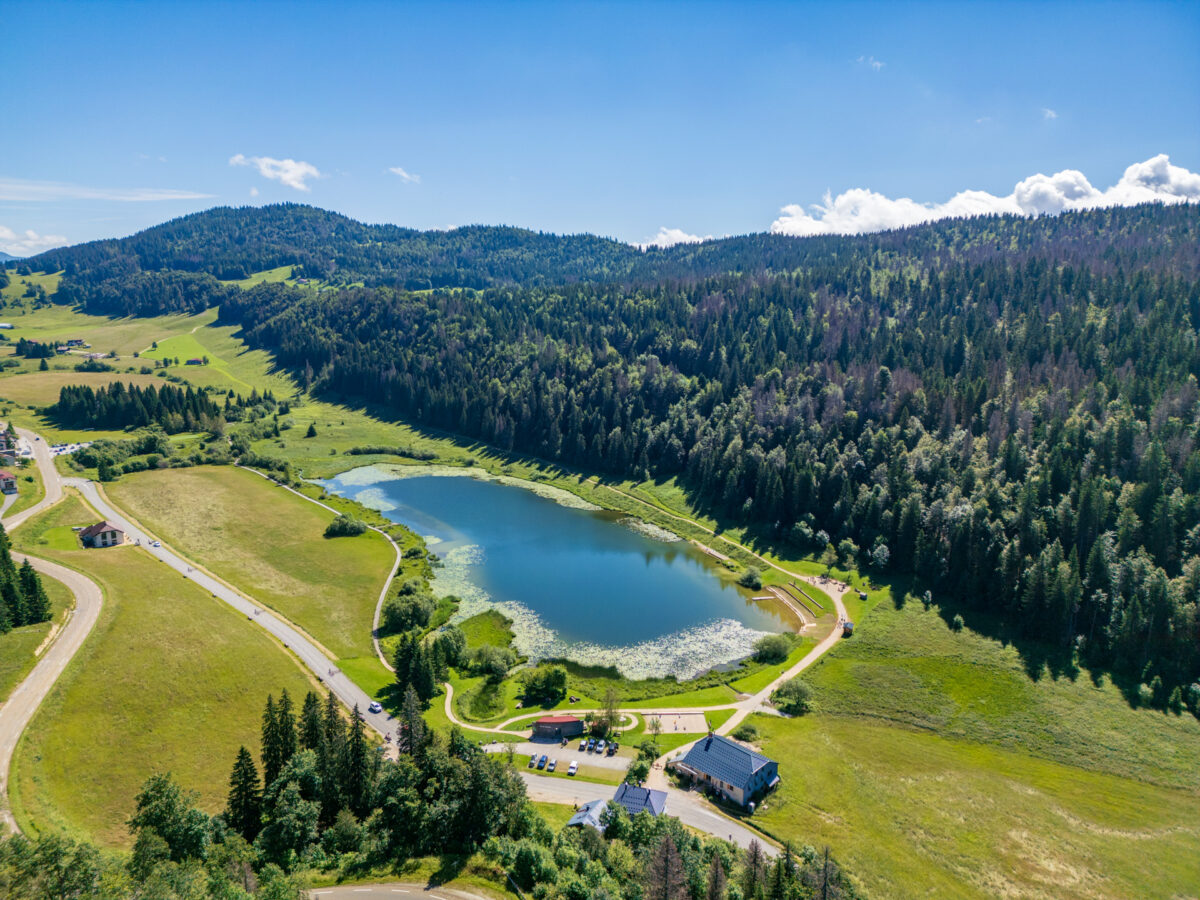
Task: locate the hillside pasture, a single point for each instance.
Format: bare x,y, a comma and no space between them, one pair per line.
171,679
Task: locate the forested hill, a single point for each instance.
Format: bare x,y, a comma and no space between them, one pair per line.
179,266
1007,407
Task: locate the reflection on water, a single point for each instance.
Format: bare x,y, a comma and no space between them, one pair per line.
577,582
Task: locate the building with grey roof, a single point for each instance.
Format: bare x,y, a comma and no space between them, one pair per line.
729,768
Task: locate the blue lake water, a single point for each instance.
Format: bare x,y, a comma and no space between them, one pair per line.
577,583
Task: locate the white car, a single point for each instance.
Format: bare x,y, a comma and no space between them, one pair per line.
573,768
375,707
156,543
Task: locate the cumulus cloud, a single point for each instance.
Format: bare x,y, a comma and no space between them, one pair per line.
294,173
1048,113
871,61
406,177
24,190
669,237
859,211
28,242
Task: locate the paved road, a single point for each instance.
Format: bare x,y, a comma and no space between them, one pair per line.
321,665
688,808
20,706
392,891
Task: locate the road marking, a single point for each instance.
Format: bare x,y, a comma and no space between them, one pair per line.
398,891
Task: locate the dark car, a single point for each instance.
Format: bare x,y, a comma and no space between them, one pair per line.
542,761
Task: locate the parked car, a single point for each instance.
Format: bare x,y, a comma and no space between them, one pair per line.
583,745
375,707
600,746
542,761
552,765
532,760
613,748
591,744
573,768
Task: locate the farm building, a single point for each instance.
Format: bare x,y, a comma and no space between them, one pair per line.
194,362
8,483
557,727
102,534
639,799
589,814
731,769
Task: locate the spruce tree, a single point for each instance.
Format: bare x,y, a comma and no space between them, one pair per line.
285,724
37,604
752,872
356,771
665,876
422,672
411,732
329,760
402,660
11,597
717,888
272,754
311,731
243,810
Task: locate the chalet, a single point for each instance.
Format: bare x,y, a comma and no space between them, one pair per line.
102,534
557,727
730,769
8,483
74,342
639,799
589,814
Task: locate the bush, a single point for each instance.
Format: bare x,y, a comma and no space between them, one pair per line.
774,648
793,697
957,623
494,662
345,526
404,613
546,684
746,732
751,578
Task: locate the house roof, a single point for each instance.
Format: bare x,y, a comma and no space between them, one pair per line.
725,759
4,474
556,720
636,799
589,814
99,528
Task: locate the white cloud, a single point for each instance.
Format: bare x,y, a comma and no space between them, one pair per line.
28,243
669,237
293,173
859,211
1048,113
49,191
406,177
871,61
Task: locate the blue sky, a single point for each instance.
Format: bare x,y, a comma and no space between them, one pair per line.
618,119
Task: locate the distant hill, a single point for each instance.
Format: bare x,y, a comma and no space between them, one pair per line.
7,257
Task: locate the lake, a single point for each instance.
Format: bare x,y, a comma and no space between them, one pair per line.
578,582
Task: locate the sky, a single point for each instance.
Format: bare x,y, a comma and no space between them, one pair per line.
646,122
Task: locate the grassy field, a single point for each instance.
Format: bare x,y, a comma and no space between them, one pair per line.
267,542
909,668
918,815
169,680
29,487
17,648
488,627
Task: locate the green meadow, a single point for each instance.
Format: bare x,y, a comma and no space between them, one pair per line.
170,679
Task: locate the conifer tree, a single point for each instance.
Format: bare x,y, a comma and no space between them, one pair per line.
285,724
356,772
717,888
272,754
411,732
243,810
310,731
665,876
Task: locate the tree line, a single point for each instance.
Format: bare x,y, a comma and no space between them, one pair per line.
119,406
23,599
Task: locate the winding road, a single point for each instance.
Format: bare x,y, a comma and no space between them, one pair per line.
18,710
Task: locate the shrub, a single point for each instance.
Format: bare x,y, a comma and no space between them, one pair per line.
746,732
774,648
957,623
546,684
793,697
345,526
751,578
404,613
